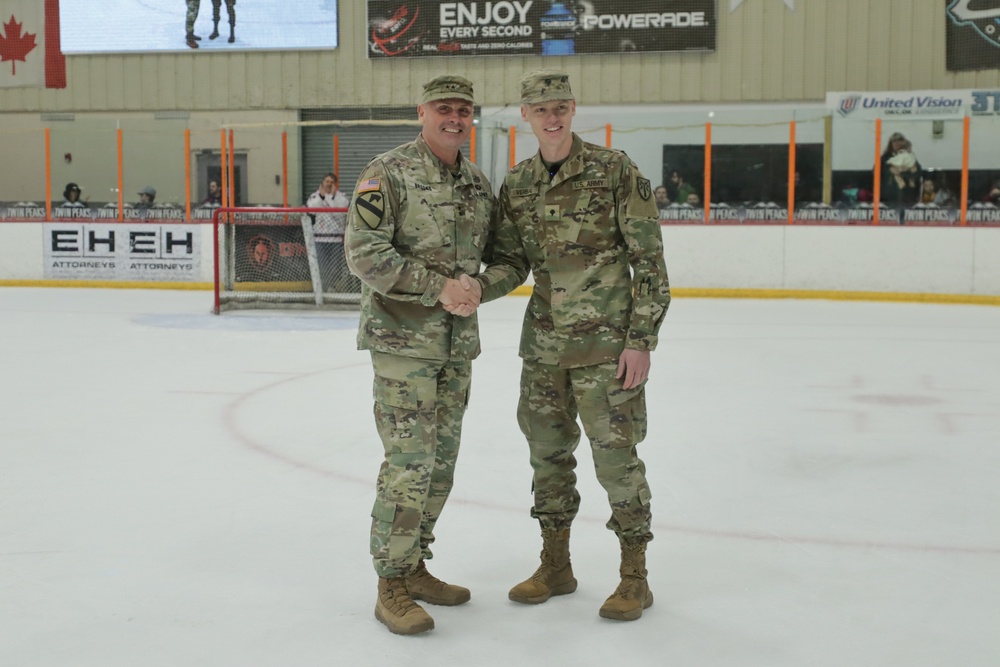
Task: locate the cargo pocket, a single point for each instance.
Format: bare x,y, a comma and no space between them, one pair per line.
524,407
395,530
627,416
396,412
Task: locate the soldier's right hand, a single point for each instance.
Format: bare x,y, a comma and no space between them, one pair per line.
459,299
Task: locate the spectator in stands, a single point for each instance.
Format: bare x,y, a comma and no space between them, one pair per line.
146,197
214,197
901,184
662,199
72,196
328,229
693,199
993,194
684,189
897,142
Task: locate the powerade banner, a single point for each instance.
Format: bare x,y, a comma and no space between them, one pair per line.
422,28
973,34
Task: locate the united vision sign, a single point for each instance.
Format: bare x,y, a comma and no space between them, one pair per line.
921,104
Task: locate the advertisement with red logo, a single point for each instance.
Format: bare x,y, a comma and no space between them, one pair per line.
423,28
269,253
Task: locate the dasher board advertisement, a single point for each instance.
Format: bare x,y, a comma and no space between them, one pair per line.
424,28
196,26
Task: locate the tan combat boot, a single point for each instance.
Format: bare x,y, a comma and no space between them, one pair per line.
422,585
397,610
633,594
553,577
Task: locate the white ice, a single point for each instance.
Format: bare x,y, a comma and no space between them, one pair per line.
178,488
138,26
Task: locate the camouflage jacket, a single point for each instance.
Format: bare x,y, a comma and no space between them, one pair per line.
411,225
579,235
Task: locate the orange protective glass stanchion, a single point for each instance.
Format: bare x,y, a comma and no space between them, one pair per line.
187,174
791,173
965,171
708,172
224,172
232,169
48,175
877,185
472,145
513,146
336,155
284,169
121,179
607,135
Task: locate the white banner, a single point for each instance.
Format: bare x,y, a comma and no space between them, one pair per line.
122,251
22,43
914,104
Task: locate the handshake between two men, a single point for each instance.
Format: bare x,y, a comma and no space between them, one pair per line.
461,297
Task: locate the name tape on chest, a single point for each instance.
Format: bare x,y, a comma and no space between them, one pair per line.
522,192
590,183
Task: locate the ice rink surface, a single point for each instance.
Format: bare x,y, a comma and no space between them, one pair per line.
178,488
138,26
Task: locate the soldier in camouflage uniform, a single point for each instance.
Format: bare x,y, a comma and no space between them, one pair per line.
418,222
217,16
583,220
192,15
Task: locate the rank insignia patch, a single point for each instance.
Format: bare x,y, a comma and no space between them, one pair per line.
370,207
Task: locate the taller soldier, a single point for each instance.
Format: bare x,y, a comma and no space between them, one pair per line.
419,221
583,220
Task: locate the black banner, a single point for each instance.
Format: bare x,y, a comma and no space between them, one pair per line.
973,34
423,28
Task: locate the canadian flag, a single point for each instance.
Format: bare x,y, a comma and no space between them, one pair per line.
30,54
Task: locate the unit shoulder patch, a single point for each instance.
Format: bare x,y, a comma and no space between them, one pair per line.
370,207
644,188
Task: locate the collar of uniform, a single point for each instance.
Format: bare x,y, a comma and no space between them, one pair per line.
570,168
437,171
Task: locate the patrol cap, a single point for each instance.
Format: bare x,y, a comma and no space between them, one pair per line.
148,190
545,85
446,87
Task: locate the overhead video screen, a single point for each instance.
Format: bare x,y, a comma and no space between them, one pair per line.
143,26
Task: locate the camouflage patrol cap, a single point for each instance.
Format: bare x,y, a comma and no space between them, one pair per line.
545,85
446,87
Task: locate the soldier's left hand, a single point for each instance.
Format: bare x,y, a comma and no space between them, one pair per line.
633,366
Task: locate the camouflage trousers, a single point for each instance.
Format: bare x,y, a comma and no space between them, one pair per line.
419,405
192,14
230,7
614,421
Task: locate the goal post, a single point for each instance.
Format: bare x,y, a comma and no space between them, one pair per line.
281,258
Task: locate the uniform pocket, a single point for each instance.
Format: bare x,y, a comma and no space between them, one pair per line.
627,416
396,409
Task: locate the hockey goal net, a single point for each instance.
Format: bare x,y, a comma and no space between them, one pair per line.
277,258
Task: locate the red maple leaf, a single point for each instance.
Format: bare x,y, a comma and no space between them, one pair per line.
14,46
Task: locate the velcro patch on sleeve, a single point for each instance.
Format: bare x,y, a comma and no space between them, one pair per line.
370,185
370,207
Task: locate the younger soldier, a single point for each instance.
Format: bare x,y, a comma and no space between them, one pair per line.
580,217
418,222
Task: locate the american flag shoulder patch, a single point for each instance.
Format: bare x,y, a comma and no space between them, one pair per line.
369,185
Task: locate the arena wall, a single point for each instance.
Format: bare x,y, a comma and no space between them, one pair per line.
766,52
944,264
